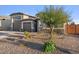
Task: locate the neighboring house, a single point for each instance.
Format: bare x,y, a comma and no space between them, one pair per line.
5,23
20,22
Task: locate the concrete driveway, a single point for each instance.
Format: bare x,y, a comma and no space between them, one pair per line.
7,34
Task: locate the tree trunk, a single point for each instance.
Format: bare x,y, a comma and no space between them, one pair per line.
51,33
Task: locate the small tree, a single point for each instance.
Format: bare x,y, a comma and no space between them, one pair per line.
53,16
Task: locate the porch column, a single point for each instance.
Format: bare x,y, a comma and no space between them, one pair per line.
22,25
12,24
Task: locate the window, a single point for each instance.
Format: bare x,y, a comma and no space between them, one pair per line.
17,17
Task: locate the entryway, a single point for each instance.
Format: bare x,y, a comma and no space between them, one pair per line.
27,26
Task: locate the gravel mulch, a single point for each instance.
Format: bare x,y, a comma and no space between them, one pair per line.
14,43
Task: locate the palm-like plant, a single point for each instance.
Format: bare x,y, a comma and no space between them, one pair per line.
53,16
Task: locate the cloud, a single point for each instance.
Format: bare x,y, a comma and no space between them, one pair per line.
76,21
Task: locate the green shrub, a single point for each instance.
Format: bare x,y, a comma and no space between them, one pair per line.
49,46
22,30
27,35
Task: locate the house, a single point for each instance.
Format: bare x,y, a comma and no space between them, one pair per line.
20,22
5,23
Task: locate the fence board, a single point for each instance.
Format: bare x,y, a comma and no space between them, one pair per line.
77,29
72,28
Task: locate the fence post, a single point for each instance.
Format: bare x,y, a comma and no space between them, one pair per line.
75,28
65,28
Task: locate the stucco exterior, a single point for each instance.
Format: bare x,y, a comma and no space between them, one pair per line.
5,23
20,21
25,17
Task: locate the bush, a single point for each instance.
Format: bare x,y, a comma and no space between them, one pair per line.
27,35
22,30
49,46
21,45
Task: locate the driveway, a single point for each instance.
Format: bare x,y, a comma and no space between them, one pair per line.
12,42
7,34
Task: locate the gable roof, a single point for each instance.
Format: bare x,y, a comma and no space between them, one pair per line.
20,13
17,13
8,17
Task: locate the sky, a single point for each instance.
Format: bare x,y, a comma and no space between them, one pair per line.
6,10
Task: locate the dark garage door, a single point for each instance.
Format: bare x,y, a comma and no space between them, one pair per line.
27,26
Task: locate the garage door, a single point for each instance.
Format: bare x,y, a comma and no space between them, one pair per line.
27,26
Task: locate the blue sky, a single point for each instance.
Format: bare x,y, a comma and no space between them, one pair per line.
33,9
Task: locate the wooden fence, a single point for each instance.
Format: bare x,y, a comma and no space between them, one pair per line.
67,29
71,28
57,30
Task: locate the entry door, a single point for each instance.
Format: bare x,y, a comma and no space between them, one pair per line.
35,26
27,26
17,26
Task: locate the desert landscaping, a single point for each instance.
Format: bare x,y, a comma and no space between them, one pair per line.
12,42
50,31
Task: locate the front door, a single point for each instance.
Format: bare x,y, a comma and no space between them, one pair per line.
35,26
16,26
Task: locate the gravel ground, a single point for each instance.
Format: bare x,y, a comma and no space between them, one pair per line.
14,43
70,44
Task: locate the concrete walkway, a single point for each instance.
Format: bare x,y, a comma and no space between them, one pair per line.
6,34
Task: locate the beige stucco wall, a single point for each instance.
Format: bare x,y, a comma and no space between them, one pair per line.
17,23
25,17
39,26
6,24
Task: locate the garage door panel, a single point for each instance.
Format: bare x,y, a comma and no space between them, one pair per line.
27,26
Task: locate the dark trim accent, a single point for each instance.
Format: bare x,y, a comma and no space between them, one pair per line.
20,13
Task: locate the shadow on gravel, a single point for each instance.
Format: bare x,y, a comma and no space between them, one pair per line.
3,34
38,46
66,51
63,50
32,45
